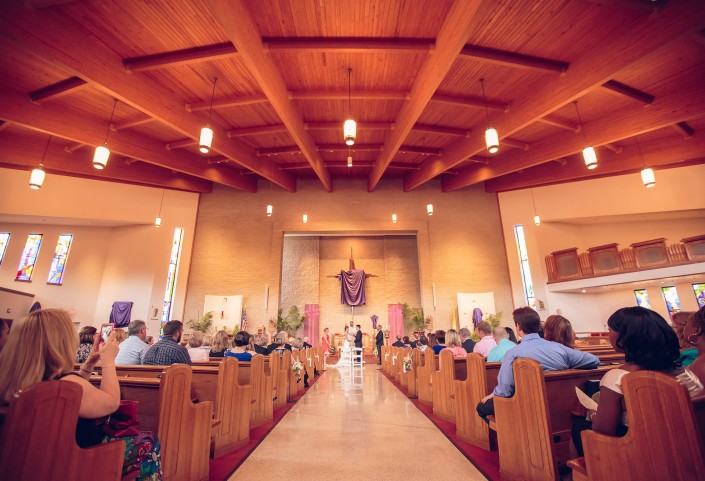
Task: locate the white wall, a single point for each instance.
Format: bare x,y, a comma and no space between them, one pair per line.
117,254
595,212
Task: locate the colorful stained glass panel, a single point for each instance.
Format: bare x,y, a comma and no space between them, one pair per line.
4,240
642,298
670,295
29,257
699,290
171,276
61,255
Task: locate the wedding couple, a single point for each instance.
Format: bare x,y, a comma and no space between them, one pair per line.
351,337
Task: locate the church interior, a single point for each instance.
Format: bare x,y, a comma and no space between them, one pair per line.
523,152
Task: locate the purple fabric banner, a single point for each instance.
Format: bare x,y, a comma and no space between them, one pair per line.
120,314
352,287
476,316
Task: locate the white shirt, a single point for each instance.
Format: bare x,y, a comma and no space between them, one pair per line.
131,351
484,346
198,354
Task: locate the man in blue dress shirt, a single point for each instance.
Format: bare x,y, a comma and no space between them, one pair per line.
551,355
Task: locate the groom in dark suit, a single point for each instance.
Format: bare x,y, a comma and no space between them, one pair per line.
379,341
358,341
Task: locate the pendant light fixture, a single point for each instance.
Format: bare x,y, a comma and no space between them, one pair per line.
305,218
349,158
394,210
36,178
647,173
102,154
537,219
349,127
491,135
206,139
589,154
158,220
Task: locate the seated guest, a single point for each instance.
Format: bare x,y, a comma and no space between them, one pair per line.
694,332
86,337
501,337
279,343
512,336
648,344
120,335
558,329
431,339
466,339
688,352
297,344
454,345
221,342
239,350
486,342
422,344
551,355
4,332
440,341
167,350
307,345
398,342
53,330
195,347
133,349
406,341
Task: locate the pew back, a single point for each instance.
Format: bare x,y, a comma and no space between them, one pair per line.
425,377
480,380
443,387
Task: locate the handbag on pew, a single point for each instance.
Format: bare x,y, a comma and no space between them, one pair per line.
123,422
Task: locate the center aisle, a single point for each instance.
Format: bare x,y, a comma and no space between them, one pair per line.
366,430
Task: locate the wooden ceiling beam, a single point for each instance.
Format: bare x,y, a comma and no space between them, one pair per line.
344,148
451,39
588,71
512,59
24,151
339,125
294,149
440,130
351,45
412,149
58,121
55,39
685,129
205,53
629,92
130,123
478,102
178,144
516,144
57,90
239,26
227,102
262,130
560,123
687,102
343,95
659,153
73,147
616,148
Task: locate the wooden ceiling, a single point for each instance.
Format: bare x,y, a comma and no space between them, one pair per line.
635,67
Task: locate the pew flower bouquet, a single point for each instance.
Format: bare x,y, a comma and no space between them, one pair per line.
297,367
406,364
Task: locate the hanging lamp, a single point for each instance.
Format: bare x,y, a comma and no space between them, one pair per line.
158,220
589,155
491,135
305,218
350,126
537,219
349,158
36,178
102,154
647,173
394,210
206,139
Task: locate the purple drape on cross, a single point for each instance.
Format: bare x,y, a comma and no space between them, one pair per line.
352,287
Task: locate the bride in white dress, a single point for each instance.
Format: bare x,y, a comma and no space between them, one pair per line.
345,351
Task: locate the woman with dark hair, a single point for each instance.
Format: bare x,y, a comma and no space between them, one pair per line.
512,336
688,352
648,343
432,339
558,329
239,350
440,341
694,334
85,339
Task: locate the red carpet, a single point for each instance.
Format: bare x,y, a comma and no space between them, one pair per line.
223,467
487,462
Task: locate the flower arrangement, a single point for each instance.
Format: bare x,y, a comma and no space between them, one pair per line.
297,367
406,364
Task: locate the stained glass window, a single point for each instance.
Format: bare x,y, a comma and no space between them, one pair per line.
670,295
29,257
58,264
171,277
699,290
524,265
4,240
642,298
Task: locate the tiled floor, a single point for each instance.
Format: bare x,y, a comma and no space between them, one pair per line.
360,428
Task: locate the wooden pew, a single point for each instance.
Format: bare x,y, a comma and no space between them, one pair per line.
386,359
398,354
262,390
480,380
280,381
664,441
306,356
533,426
286,363
425,377
38,439
443,389
183,428
409,379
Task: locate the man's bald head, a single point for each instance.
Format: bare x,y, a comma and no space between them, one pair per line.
499,334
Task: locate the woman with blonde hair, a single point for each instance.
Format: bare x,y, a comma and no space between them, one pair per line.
454,344
120,335
221,343
52,334
558,329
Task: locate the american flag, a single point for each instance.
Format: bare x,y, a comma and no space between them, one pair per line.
243,324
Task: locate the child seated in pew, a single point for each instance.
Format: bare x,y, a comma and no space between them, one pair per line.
52,331
454,344
195,349
648,343
239,351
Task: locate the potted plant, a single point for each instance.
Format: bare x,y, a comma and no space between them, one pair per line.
414,319
204,324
